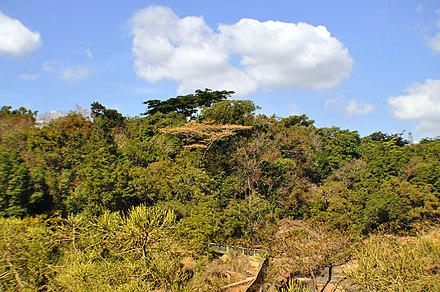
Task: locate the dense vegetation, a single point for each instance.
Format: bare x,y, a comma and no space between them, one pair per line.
104,202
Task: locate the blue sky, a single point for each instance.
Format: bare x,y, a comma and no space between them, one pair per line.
358,65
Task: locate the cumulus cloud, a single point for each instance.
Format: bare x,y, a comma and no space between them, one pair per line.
75,73
270,54
421,103
350,108
15,38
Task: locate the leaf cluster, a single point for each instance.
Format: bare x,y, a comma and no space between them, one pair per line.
187,105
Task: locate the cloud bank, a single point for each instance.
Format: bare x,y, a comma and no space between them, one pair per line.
421,103
244,56
15,38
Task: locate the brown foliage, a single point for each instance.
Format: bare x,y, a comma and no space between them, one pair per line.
198,135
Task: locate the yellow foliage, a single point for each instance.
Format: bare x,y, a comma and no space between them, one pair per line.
202,135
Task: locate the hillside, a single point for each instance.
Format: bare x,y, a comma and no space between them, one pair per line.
106,202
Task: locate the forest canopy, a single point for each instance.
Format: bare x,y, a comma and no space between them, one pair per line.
110,162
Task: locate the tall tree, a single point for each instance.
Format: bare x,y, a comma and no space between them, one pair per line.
106,118
238,112
188,105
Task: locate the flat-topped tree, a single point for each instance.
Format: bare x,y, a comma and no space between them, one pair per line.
187,105
203,135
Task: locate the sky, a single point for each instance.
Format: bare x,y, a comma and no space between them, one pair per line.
361,65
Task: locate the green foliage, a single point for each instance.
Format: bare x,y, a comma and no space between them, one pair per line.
247,218
338,147
131,204
21,192
294,286
399,203
298,121
133,252
299,171
26,252
187,105
385,264
200,222
383,137
14,124
334,204
104,118
136,251
238,112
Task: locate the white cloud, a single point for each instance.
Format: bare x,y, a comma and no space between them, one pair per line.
51,66
293,108
29,76
271,54
438,15
67,73
337,102
421,103
354,108
89,54
75,73
15,38
434,42
350,108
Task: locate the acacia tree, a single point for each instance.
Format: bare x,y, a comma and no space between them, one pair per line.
187,105
198,135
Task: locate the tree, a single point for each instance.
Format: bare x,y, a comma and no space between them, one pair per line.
14,124
237,112
188,105
394,204
339,146
383,137
55,153
106,118
198,135
295,120
311,251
